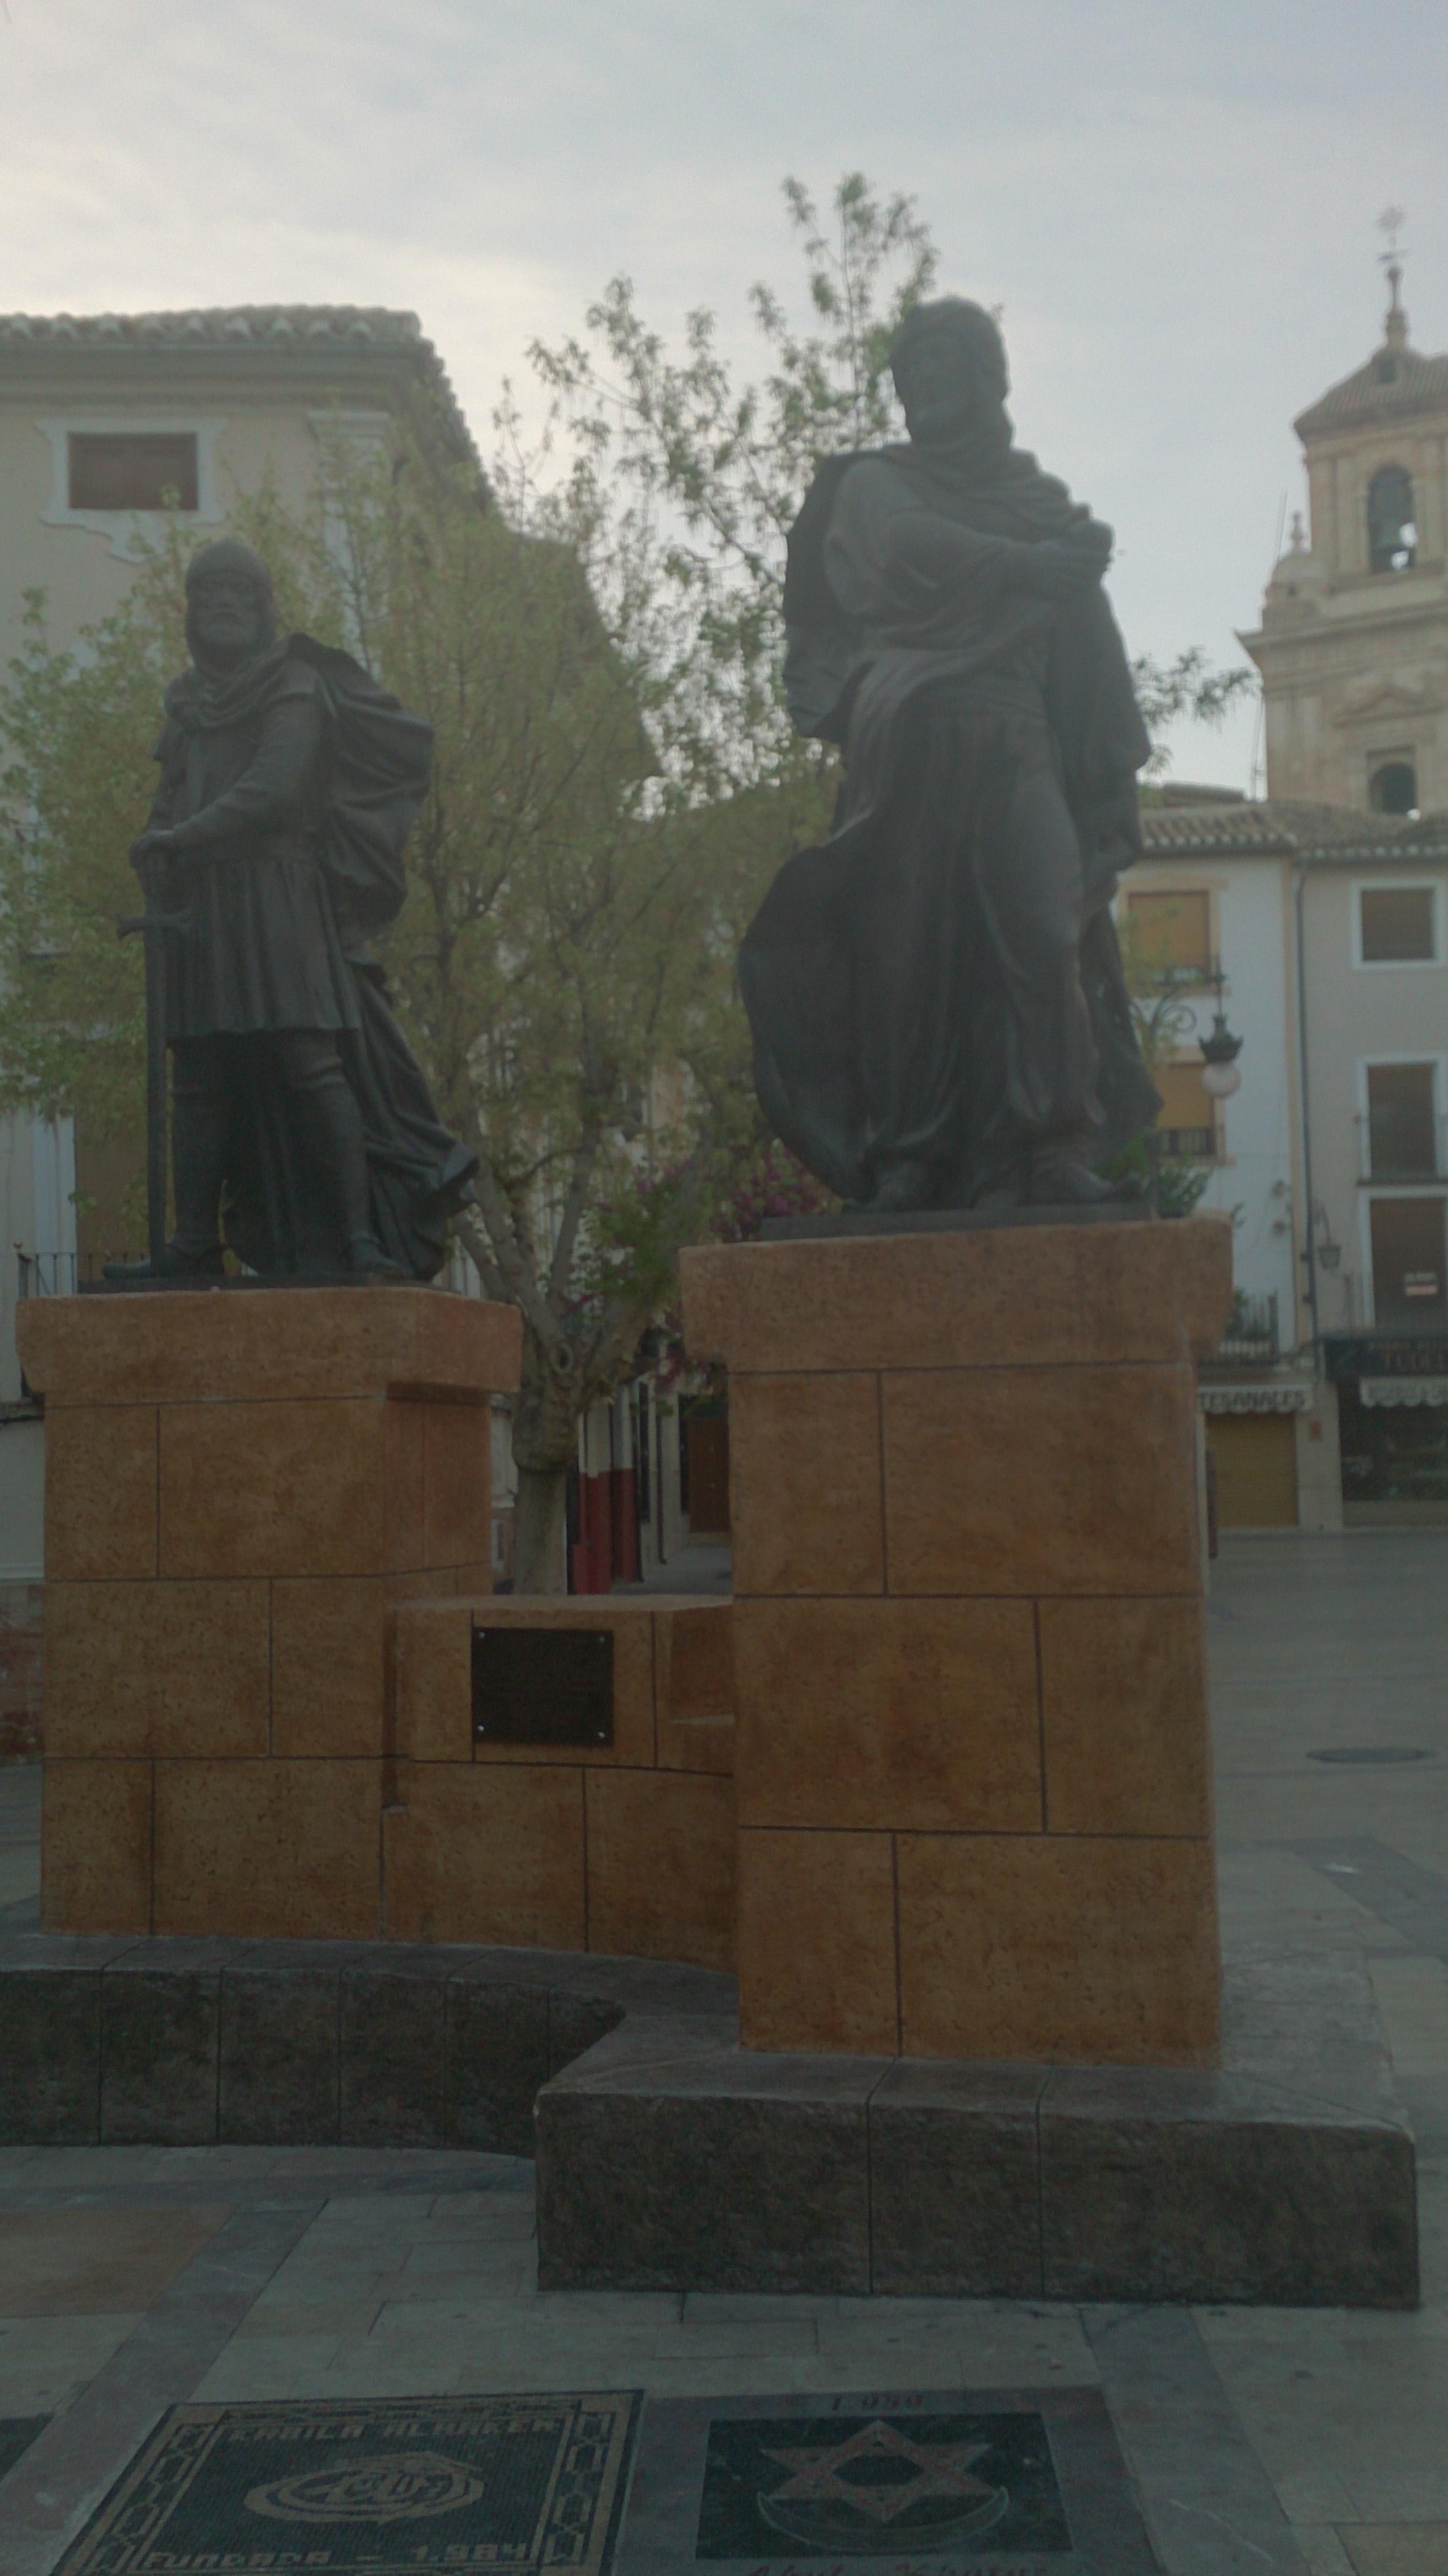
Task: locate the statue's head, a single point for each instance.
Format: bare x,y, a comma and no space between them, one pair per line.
949,366
229,610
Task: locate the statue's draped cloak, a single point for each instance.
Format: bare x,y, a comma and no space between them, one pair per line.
937,682
292,785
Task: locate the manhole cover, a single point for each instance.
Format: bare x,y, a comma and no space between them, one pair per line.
1372,1753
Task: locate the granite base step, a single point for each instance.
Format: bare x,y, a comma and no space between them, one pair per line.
183,2043
669,2158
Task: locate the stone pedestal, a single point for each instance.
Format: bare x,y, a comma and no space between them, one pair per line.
972,1769
240,1483
624,1847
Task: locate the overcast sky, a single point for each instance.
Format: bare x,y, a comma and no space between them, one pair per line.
1175,201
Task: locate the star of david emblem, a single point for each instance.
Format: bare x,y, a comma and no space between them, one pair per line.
942,2471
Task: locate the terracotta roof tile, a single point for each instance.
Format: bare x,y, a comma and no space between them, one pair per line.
1284,827
1394,383
354,328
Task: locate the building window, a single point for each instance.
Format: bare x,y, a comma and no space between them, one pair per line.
1410,1278
113,473
1187,1125
131,470
1403,1123
1392,531
1169,937
1397,925
1393,788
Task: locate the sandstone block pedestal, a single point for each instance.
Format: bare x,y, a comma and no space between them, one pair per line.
972,1772
625,1847
240,1484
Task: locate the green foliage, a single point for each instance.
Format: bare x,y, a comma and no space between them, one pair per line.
1163,1020
700,476
616,779
1190,687
76,780
1172,1186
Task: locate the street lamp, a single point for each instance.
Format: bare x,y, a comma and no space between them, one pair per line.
1221,1074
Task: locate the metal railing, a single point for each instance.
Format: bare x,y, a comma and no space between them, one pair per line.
1252,1335
1189,1144
1194,975
61,1274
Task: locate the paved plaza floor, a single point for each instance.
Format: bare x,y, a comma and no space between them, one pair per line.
1257,2441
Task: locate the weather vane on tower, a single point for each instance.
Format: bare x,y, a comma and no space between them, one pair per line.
1390,224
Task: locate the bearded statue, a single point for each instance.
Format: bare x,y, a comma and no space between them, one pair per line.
939,1013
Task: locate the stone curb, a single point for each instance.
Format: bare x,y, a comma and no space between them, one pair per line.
304,2043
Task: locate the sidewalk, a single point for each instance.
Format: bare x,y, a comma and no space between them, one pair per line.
1267,2441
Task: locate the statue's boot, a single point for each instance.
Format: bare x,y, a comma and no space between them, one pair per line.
199,1130
1059,1178
200,1133
317,1080
901,1191
997,1191
366,1256
176,1262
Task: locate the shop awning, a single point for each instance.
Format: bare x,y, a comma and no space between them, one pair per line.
1403,1390
1279,1396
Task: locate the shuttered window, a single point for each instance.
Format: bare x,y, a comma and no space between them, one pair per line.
132,469
1170,935
1187,1125
1398,925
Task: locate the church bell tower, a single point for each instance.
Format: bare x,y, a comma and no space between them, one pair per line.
1353,643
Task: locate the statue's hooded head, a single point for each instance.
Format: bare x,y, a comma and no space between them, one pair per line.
230,614
949,366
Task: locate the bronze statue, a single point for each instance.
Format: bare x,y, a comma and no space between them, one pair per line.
303,1133
939,1013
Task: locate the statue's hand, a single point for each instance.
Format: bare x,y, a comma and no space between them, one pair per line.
1095,539
156,844
1063,569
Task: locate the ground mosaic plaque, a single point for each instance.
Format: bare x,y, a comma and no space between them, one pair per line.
527,2485
995,2482
920,2485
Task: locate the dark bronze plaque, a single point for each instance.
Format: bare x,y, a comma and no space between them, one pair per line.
543,1685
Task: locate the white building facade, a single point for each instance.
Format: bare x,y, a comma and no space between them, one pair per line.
107,425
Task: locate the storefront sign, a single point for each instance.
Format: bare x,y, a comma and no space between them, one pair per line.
1386,1355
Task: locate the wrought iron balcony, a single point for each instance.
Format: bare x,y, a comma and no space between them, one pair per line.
1252,1337
1190,1144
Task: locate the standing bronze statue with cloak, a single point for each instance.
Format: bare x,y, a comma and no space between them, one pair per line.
304,1137
939,1013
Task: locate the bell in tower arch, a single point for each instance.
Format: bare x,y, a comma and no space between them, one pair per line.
1392,530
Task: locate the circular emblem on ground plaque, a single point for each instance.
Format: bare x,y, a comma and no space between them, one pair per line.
881,2490
392,2486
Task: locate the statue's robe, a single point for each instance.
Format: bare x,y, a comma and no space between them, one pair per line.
291,786
940,983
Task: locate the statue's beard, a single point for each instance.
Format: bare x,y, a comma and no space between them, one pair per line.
215,661
932,424
979,431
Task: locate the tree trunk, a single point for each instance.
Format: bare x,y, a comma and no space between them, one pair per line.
538,1530
546,1414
